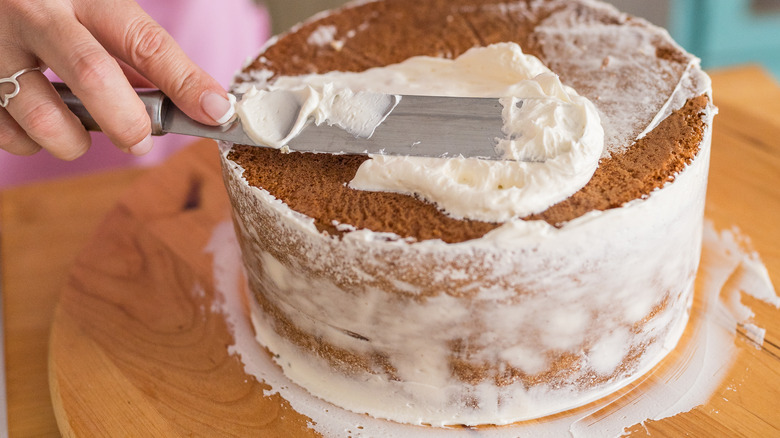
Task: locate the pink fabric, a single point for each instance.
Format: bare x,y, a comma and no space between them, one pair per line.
217,35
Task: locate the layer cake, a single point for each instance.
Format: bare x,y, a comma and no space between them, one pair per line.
387,304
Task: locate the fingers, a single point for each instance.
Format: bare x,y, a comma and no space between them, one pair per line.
136,79
79,42
13,138
96,78
37,117
131,35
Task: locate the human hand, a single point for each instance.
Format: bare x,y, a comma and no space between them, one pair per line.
101,49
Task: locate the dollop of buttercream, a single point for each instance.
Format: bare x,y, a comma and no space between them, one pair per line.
553,136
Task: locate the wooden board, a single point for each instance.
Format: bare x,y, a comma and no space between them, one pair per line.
44,225
133,350
136,349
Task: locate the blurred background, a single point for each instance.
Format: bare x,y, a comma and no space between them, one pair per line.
720,32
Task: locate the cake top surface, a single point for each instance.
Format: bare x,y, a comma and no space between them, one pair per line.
648,92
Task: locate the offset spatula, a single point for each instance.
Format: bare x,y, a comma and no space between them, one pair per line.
414,125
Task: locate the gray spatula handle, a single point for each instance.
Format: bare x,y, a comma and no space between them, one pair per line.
155,101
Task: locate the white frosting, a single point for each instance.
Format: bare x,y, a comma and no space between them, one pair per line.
275,117
322,36
553,141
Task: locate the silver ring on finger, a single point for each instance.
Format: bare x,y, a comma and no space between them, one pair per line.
5,98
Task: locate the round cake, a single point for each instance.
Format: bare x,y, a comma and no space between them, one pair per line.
398,304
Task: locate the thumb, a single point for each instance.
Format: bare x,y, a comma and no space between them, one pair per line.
131,35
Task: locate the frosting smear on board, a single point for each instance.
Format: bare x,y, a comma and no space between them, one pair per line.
706,362
553,136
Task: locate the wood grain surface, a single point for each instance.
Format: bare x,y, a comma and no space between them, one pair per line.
137,351
135,326
42,228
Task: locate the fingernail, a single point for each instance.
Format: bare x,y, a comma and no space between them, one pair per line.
217,107
143,147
